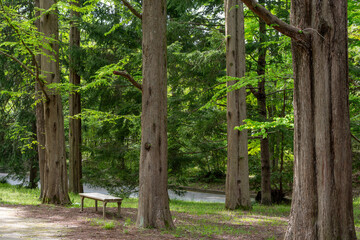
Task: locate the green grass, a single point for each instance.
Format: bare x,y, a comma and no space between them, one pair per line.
357,212
203,219
17,195
13,195
105,224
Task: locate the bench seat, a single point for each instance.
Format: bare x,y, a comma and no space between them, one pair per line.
101,197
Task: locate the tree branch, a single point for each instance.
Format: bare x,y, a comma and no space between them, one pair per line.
18,61
273,21
133,10
130,78
37,69
358,140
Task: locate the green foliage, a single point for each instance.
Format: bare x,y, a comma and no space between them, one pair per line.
262,128
111,106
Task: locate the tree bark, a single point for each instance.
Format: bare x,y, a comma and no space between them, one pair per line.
75,158
322,205
237,176
322,197
34,164
55,176
153,208
261,99
39,113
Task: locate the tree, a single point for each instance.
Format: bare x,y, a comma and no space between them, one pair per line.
237,177
39,113
55,175
153,208
260,95
322,193
75,165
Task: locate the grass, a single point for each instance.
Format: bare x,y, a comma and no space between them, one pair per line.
13,195
105,224
195,219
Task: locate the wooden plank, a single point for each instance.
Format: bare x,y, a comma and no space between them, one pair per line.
101,197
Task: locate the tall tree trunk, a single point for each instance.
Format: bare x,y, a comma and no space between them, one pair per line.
34,165
55,176
322,197
39,113
75,165
261,98
237,176
282,154
153,208
322,205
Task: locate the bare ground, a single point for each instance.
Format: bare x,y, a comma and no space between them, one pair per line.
59,222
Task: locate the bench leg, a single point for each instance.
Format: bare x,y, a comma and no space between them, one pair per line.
96,205
119,208
82,203
104,209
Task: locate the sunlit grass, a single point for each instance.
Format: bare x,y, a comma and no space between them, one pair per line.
18,195
13,195
105,224
357,212
208,219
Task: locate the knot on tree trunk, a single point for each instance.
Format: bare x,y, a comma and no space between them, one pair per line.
147,146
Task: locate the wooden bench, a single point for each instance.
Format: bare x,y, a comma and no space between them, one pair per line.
100,197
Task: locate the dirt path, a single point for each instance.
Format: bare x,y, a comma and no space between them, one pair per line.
14,226
57,222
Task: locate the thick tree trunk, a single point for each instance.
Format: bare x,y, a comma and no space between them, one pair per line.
75,166
322,198
237,176
153,208
39,113
261,98
55,176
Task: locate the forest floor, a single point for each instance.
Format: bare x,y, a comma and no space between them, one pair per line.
22,216
56,222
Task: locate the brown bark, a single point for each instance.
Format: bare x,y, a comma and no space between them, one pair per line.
39,113
261,98
34,165
237,176
130,78
55,176
322,197
75,158
153,210
289,30
322,205
133,10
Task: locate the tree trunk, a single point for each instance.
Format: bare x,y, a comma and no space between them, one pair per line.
322,205
237,176
39,113
261,98
75,166
153,208
55,176
34,165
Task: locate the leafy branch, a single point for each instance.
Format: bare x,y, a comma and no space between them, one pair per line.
36,74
